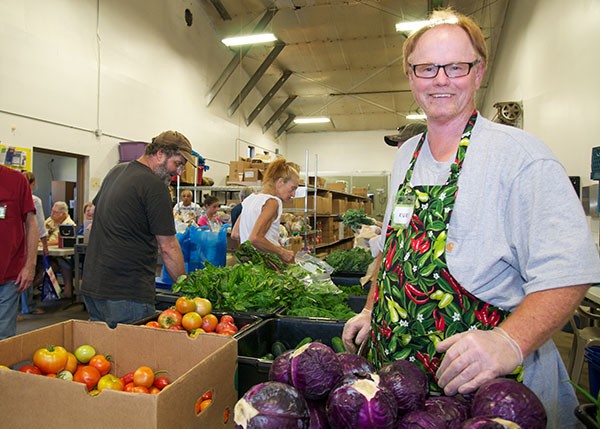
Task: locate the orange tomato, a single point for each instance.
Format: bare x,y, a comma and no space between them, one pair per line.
154,390
209,322
184,304
153,324
201,405
140,389
205,404
71,363
203,306
101,363
191,321
143,376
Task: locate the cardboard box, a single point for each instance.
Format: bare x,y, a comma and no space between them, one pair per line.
338,204
194,366
236,170
361,191
253,174
336,186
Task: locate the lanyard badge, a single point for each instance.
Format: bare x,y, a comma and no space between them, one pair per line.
2,212
403,211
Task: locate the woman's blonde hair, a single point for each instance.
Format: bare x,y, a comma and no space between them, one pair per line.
280,169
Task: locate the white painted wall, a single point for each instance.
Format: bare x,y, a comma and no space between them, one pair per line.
128,68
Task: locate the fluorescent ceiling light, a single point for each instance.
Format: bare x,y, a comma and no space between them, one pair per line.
410,26
314,120
250,39
416,116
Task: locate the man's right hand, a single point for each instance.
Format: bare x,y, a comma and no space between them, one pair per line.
356,330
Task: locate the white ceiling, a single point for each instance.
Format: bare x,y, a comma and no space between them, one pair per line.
345,57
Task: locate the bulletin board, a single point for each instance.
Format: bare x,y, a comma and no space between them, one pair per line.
18,158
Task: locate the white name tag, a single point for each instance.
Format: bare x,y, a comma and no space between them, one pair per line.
403,211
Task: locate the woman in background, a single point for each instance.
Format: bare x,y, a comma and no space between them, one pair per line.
210,218
261,213
88,217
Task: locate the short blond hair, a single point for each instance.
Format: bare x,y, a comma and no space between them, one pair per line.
447,17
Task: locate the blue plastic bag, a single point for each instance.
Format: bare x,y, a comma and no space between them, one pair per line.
50,286
206,245
198,245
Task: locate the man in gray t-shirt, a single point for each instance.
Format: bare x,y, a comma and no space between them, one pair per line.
132,221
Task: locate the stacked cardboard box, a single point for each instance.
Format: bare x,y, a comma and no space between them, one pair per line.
206,363
361,191
338,204
339,186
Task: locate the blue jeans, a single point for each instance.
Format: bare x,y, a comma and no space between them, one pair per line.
9,307
113,312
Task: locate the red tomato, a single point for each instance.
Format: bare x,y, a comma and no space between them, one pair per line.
207,395
169,318
31,369
227,318
51,375
51,359
87,375
111,382
127,378
227,331
129,387
101,363
143,376
161,382
176,328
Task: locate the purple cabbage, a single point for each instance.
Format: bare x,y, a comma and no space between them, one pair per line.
509,400
279,370
449,408
420,419
488,423
408,383
361,403
271,405
314,370
352,364
318,414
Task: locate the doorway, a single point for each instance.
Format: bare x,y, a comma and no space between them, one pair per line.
63,174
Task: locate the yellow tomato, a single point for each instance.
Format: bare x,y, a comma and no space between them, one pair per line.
203,306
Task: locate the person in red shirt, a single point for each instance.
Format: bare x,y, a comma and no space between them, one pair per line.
18,229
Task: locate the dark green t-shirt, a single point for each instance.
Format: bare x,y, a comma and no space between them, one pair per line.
132,207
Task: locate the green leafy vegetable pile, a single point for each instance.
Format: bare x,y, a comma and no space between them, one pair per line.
355,219
244,287
252,287
246,252
355,260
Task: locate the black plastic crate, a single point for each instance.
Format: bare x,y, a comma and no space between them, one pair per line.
346,279
256,342
165,299
241,320
585,414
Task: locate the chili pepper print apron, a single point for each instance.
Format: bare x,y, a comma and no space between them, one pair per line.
418,302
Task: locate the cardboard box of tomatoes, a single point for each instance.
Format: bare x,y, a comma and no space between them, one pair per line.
195,366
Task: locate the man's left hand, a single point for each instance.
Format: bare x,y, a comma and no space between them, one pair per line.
474,357
25,278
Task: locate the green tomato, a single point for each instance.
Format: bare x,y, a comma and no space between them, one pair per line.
85,353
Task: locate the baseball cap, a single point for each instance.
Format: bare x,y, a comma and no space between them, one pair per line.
404,133
174,138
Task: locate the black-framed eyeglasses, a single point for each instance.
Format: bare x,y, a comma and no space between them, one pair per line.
452,70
